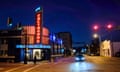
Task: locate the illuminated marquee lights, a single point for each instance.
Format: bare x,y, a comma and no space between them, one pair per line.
37,41
38,27
38,31
38,37
33,46
38,34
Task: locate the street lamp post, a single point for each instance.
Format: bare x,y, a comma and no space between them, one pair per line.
98,39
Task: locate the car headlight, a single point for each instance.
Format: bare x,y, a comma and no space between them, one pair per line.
82,58
77,58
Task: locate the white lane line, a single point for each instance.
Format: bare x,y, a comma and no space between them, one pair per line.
30,68
15,68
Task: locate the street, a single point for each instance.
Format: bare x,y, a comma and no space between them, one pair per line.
91,64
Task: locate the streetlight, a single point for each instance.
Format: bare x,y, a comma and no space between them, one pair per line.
97,42
95,35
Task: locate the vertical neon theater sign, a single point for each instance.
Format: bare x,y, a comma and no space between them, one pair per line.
38,26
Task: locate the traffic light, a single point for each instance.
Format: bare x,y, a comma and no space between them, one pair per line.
109,26
95,27
9,21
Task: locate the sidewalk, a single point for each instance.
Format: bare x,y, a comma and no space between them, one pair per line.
102,59
57,59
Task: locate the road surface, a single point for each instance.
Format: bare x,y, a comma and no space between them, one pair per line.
91,64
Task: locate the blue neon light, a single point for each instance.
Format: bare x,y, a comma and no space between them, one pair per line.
37,9
10,24
62,50
60,41
52,37
20,46
29,46
22,55
33,46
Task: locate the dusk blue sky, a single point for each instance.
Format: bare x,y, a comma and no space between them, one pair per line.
75,16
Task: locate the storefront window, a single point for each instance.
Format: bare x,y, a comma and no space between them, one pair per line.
3,52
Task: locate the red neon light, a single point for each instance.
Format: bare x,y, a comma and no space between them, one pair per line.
38,15
38,34
38,22
45,32
38,38
38,31
37,41
38,27
38,18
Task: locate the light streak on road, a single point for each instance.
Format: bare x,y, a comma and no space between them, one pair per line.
15,68
30,68
80,66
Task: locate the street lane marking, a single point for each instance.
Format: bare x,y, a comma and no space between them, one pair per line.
30,68
15,68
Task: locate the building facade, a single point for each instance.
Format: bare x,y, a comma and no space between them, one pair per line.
110,44
67,41
24,43
109,49
8,41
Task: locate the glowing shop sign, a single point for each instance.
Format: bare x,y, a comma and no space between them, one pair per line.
38,27
37,9
33,46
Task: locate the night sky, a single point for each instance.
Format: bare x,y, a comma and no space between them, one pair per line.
75,16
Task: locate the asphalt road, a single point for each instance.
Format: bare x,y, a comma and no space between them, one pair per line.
91,64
